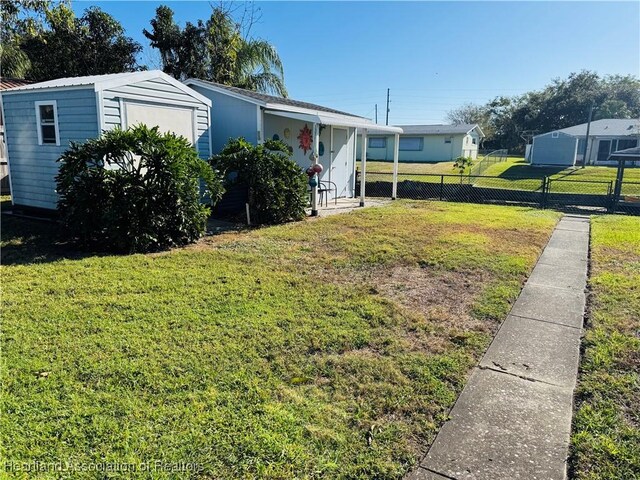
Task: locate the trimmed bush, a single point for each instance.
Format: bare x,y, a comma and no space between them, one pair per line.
277,186
134,191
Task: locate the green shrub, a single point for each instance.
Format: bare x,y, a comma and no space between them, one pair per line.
277,187
134,191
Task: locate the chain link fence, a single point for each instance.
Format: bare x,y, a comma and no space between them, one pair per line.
546,192
497,156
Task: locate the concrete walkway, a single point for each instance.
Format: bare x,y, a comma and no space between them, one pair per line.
513,418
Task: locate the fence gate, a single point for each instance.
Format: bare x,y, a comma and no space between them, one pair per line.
563,193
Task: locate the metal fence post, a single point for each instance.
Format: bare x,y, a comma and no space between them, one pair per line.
441,185
545,192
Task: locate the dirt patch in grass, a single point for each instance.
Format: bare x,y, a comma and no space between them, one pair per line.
443,297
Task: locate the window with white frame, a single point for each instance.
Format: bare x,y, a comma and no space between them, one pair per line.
410,144
377,142
555,134
474,140
47,122
447,140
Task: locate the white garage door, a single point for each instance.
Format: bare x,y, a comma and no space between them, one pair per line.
168,119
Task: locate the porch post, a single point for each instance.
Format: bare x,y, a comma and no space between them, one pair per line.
314,156
396,152
363,161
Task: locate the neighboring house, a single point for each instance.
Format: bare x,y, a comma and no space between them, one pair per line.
257,117
42,118
565,147
6,83
427,143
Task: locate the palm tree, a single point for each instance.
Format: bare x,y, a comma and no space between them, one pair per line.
14,62
258,67
216,50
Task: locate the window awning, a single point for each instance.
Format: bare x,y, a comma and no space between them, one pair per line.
323,118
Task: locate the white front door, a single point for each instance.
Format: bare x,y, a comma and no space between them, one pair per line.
340,164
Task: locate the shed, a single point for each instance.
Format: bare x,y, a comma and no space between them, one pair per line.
428,143
565,147
307,128
6,83
42,118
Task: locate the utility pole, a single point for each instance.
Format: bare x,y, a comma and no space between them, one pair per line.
387,121
376,113
586,139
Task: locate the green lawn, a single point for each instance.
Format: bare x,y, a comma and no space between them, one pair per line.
330,348
515,174
520,175
606,435
435,168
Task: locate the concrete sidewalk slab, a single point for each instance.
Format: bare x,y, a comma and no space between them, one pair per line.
570,276
570,241
569,217
558,256
535,350
551,304
513,418
503,427
574,226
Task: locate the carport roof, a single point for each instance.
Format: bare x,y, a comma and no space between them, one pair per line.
628,152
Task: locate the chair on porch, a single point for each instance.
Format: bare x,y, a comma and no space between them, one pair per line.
325,187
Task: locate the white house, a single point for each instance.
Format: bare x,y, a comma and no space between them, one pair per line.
428,143
305,127
566,146
42,118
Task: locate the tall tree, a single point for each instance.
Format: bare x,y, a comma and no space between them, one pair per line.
93,44
562,103
471,113
19,19
218,50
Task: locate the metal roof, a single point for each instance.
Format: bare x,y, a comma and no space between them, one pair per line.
104,82
296,109
263,98
627,152
6,83
440,129
75,81
607,127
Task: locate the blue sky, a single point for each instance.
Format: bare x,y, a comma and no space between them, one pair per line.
434,56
